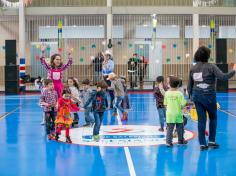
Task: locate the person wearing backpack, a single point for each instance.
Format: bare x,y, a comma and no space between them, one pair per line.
99,106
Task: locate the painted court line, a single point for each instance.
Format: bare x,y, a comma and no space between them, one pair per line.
8,113
127,154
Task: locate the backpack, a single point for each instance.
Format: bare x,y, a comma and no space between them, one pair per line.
100,102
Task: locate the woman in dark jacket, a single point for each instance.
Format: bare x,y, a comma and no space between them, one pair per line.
201,89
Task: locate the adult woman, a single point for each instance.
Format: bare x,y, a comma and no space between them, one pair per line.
201,89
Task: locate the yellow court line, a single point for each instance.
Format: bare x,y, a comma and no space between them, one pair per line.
8,113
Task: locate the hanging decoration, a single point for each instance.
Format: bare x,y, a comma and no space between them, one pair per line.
48,48
187,55
37,57
212,29
163,46
168,60
174,45
81,59
82,48
15,5
154,30
3,47
59,39
178,58
93,46
209,46
130,45
92,58
185,43
141,46
119,43
104,42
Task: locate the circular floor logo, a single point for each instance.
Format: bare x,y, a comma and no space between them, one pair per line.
122,135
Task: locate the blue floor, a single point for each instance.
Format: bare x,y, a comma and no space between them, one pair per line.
24,149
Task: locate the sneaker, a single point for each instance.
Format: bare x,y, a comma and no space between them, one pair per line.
114,114
57,137
184,142
169,145
87,125
92,124
203,147
161,129
68,140
96,138
42,123
175,134
124,116
213,145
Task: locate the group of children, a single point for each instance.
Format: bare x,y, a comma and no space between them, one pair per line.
170,102
61,102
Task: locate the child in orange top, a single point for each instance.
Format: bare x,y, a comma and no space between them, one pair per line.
63,119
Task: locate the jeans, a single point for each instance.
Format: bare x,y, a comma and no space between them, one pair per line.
170,129
205,102
162,116
87,115
49,119
117,105
98,122
97,76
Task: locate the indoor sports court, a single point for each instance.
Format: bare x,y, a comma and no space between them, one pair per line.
117,87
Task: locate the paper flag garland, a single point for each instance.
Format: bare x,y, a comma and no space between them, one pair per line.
81,59
130,45
93,45
37,57
48,48
163,46
59,50
174,45
178,58
82,48
209,46
168,60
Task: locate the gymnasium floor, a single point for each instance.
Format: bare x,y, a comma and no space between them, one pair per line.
24,149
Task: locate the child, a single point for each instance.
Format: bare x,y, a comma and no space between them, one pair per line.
55,69
125,102
117,86
74,88
159,93
99,106
174,102
63,119
85,96
48,100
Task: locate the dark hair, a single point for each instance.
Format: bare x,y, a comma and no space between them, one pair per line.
47,81
180,83
86,82
174,82
202,54
66,90
75,83
102,84
53,57
160,79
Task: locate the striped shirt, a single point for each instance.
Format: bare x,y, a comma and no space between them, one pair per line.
49,97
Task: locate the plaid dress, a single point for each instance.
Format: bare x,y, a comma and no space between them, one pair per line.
49,97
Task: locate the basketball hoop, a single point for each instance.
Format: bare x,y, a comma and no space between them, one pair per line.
204,3
16,5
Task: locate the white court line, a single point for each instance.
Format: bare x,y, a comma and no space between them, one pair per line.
127,153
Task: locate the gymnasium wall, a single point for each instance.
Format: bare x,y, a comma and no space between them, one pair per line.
176,52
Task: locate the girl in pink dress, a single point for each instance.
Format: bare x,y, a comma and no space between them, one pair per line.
55,69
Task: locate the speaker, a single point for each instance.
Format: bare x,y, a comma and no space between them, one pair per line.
221,51
10,52
222,86
11,80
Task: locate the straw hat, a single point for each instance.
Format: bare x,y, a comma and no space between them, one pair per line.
111,76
